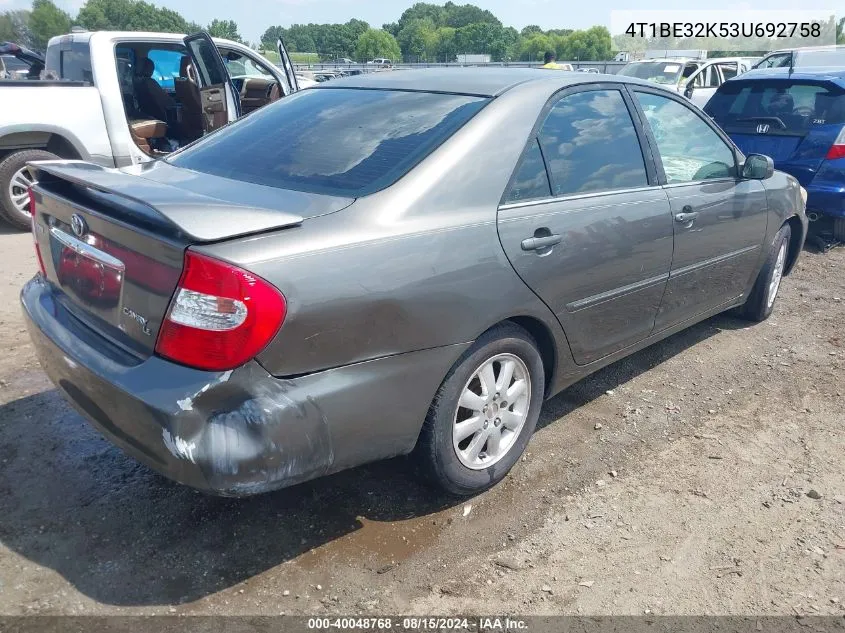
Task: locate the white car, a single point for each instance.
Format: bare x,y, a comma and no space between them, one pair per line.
381,61
697,79
121,98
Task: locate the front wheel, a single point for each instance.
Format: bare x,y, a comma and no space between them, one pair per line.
761,301
484,412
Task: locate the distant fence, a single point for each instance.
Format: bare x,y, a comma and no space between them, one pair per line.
603,67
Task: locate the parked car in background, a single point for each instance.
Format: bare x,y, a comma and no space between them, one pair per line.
17,62
127,98
797,118
827,56
343,61
696,79
398,263
381,62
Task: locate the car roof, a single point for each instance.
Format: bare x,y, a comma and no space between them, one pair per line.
808,49
475,81
836,75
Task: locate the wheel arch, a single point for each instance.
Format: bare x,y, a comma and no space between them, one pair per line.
54,140
795,242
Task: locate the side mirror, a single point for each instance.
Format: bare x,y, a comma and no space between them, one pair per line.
689,89
758,167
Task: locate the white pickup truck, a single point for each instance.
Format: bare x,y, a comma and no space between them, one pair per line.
117,99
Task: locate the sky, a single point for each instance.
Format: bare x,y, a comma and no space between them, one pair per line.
254,16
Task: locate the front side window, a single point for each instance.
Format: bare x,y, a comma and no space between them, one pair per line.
343,142
590,144
241,67
689,148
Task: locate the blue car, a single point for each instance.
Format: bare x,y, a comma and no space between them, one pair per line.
797,118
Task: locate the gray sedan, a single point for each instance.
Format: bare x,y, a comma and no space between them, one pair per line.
394,263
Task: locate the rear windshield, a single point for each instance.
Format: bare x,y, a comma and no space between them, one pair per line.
344,142
783,104
662,72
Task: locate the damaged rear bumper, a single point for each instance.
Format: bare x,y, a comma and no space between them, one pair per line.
239,432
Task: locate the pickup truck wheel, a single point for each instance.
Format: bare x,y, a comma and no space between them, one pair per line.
761,301
15,180
484,413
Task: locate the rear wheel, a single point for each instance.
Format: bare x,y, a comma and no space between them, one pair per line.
15,180
484,412
761,301
839,229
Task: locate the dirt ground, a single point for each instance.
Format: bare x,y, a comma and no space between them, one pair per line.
677,481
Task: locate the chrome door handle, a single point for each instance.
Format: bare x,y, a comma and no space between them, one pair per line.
539,243
686,215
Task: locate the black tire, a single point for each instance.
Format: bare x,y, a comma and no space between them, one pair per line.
9,166
758,306
435,453
839,229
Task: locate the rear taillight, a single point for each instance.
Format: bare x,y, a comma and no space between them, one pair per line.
33,222
220,316
837,150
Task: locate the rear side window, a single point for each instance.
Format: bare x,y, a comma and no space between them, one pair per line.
344,142
590,144
782,104
530,181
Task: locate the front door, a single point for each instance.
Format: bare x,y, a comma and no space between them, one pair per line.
219,101
585,223
719,219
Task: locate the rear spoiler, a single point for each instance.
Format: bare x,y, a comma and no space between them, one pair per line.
198,217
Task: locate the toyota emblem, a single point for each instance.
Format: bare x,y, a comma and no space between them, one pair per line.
763,128
77,223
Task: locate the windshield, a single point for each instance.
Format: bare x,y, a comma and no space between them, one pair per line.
784,105
343,142
663,72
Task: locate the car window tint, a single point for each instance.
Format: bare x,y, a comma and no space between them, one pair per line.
689,148
530,180
339,141
590,144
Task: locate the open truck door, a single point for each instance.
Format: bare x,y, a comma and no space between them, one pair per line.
220,103
287,67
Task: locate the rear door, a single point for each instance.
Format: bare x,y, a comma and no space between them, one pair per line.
585,223
795,121
719,219
218,97
287,68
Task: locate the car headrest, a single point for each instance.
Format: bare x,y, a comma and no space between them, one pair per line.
146,67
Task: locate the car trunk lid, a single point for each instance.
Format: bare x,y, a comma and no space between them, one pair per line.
113,243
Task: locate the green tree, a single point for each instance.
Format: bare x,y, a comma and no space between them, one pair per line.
14,27
840,31
593,44
460,15
226,29
374,43
132,15
531,29
45,21
447,48
534,46
416,37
